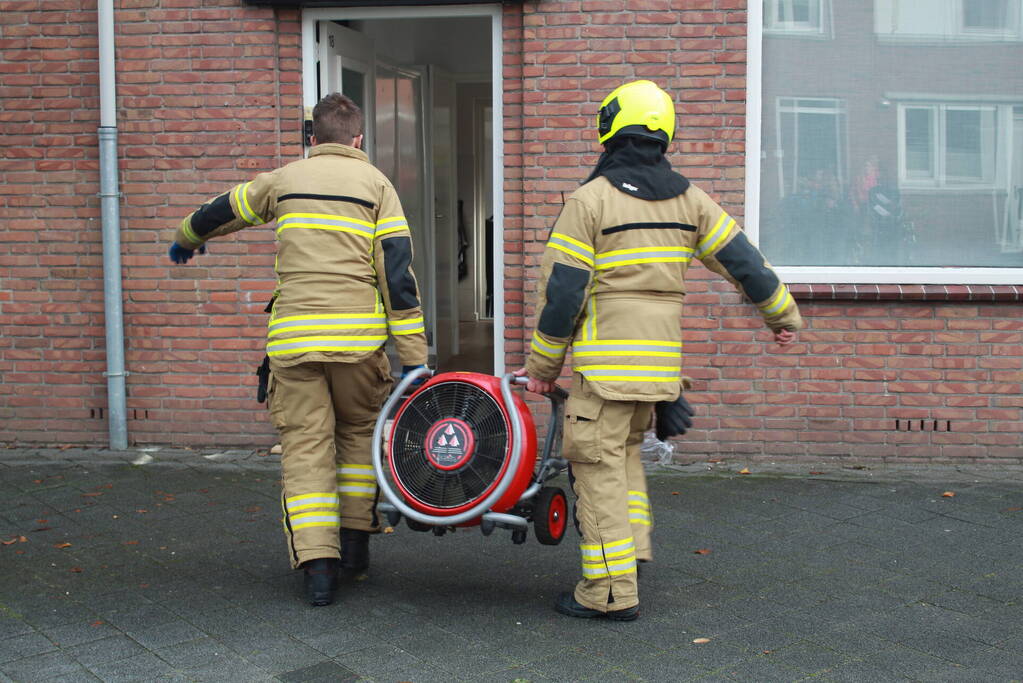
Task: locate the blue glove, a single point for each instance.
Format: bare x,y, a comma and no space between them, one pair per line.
178,254
406,369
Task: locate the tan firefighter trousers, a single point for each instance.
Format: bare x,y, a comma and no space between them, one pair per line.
325,413
602,441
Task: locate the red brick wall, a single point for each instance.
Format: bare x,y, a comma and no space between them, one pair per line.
210,93
207,96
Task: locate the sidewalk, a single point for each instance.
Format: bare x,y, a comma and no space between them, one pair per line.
176,570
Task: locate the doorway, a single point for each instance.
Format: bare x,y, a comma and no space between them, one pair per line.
428,80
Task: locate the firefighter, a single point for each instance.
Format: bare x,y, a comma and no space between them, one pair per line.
611,290
344,282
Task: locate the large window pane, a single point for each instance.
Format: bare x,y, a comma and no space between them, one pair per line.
895,138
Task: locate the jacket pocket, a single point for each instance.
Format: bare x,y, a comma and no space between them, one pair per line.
581,440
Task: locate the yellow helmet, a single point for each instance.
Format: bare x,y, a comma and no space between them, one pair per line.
637,108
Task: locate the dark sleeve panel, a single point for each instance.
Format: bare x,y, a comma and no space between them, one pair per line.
566,289
401,286
212,215
746,264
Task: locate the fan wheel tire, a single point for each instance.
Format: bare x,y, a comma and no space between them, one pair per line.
550,515
417,526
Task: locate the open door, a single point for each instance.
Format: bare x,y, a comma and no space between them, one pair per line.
347,64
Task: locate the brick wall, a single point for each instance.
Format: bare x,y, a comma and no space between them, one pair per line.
210,93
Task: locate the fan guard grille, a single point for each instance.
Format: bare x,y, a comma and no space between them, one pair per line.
414,470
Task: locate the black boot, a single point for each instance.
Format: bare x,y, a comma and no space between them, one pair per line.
320,580
567,604
354,553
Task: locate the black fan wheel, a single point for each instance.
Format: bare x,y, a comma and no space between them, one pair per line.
550,515
417,526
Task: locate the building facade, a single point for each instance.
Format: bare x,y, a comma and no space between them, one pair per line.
873,148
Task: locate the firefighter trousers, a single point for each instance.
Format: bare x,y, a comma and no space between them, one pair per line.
602,443
325,413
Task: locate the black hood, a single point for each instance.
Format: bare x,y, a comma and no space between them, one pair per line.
637,167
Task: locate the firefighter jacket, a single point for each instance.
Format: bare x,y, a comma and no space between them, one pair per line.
612,285
344,275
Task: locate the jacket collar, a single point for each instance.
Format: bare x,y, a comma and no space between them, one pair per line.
338,148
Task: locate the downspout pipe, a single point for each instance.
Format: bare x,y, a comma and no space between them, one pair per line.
110,213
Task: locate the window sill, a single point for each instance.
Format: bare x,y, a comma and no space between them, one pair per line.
866,292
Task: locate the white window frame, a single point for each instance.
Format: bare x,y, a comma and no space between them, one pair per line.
799,27
950,16
831,274
940,180
496,14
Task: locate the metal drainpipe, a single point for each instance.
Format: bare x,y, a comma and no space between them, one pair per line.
109,194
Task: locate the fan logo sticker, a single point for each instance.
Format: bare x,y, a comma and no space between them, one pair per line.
449,443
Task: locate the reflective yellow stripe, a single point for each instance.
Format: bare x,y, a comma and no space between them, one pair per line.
242,200
549,349
186,228
326,343
325,221
310,519
710,243
627,348
408,326
779,303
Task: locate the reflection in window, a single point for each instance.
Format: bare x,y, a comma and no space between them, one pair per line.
985,15
796,16
961,138
948,19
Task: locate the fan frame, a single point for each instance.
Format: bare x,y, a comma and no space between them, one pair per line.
521,478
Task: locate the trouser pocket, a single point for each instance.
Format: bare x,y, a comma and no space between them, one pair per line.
581,439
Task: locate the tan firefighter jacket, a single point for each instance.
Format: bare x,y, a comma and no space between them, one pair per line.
612,285
344,275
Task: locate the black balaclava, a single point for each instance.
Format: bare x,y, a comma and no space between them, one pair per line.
637,166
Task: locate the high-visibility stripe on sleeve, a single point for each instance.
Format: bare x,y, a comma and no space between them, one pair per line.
546,348
241,200
408,326
572,247
778,303
186,229
713,240
390,225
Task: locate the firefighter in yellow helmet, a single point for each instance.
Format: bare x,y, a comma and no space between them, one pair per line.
344,283
611,290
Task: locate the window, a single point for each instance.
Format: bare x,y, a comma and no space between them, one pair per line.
955,20
890,150
794,16
946,146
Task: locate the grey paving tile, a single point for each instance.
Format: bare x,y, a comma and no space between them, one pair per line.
24,645
43,666
323,672
141,667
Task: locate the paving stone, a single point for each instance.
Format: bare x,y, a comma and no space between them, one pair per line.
40,666
324,672
24,645
141,667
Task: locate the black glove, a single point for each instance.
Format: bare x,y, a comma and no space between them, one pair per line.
673,417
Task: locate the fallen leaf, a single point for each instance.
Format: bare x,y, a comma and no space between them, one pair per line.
766,652
674,493
143,585
948,494
37,481
715,460
1013,509
65,446
19,552
65,544
811,472
76,570
142,511
22,539
701,641
702,551
96,623
388,529
93,493
131,543
744,470
254,508
42,521
9,542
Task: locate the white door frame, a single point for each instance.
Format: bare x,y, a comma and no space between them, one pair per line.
494,12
